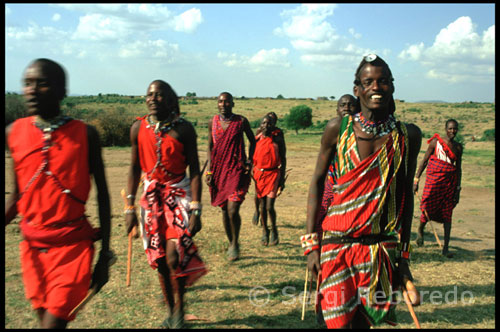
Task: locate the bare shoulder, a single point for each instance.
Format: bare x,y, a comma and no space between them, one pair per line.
331,132
414,131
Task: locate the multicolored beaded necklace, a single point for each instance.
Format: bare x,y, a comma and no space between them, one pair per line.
379,128
221,118
47,128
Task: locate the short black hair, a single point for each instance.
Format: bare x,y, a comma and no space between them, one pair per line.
57,72
171,95
450,120
374,60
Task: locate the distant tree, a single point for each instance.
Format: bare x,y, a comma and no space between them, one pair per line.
300,117
14,107
280,96
191,94
332,97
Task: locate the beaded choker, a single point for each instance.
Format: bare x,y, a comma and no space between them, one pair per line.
52,124
221,118
379,128
161,126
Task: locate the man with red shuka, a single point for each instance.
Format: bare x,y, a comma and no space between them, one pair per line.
54,158
278,132
163,146
442,183
362,246
228,175
269,165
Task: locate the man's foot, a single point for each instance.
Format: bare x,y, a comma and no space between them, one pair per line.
255,219
177,320
420,235
233,253
274,237
167,323
447,254
420,240
265,237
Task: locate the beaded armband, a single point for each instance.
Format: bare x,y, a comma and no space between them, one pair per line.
129,209
309,242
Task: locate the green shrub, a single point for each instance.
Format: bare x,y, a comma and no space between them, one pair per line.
488,135
300,117
14,107
113,126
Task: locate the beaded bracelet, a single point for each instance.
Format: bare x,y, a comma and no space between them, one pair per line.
208,173
195,205
404,250
309,242
129,209
416,180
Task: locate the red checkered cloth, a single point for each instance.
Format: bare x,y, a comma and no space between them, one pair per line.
227,162
440,185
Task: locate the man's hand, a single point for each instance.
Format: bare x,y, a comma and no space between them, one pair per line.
208,179
131,222
100,275
313,263
194,224
415,188
456,197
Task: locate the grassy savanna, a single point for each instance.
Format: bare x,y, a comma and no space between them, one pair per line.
264,288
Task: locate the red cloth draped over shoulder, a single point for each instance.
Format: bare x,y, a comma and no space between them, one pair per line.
266,160
227,157
172,153
45,208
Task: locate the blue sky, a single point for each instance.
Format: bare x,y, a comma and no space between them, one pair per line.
435,51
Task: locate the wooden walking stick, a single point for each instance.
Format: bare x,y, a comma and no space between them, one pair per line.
305,293
410,308
129,252
433,230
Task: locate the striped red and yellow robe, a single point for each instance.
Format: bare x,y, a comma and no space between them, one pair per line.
355,276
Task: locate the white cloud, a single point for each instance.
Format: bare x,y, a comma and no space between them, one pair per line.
310,32
262,59
98,27
188,21
150,49
458,53
56,17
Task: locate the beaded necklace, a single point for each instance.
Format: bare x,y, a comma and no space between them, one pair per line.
379,128
47,128
160,128
221,118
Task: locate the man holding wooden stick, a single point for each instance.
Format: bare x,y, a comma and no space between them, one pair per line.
163,146
54,159
363,241
443,160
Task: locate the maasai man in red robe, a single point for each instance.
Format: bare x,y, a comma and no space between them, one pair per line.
370,214
228,175
269,165
278,132
54,158
443,160
163,146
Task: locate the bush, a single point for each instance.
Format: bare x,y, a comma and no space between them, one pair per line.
113,126
488,135
300,117
14,107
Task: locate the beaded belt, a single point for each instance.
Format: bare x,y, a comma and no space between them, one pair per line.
368,239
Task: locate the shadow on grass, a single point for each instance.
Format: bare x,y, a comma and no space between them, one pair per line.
429,253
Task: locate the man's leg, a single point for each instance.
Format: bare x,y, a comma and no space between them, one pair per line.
165,284
272,215
178,285
227,224
420,232
50,321
447,233
263,217
233,210
255,219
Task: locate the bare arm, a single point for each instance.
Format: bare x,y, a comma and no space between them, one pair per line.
191,150
282,153
251,138
100,275
325,156
96,165
134,175
11,203
425,161
208,178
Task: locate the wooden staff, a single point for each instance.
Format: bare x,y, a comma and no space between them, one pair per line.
129,252
305,293
433,230
91,293
410,308
317,293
